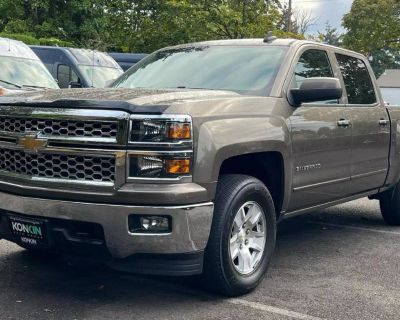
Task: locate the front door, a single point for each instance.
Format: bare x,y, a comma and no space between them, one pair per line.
321,141
370,126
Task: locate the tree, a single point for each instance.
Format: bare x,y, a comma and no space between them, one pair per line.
383,59
140,25
77,21
330,36
302,21
152,24
374,30
242,19
372,25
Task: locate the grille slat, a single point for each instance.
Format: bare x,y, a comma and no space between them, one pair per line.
58,166
60,128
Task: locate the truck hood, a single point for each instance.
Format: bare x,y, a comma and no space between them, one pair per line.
132,100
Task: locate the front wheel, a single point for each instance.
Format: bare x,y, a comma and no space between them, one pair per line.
243,235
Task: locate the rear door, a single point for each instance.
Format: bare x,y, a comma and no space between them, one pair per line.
321,139
370,125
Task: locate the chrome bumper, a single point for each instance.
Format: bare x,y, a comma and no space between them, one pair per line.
191,224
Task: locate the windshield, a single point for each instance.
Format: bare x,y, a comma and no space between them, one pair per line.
241,69
100,77
20,72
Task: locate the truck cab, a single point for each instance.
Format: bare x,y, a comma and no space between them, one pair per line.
21,69
79,68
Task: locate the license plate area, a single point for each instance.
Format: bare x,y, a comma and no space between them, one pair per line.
31,232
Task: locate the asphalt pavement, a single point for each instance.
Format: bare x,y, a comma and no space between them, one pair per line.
338,263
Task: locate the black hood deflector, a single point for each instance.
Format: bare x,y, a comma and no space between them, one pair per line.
88,104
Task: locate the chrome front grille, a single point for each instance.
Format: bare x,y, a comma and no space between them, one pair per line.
63,147
59,128
58,166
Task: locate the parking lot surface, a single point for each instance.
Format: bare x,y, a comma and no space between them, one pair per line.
337,263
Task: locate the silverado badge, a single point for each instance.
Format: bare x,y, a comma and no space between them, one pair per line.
31,143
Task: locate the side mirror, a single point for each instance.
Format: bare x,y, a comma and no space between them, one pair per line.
317,89
74,85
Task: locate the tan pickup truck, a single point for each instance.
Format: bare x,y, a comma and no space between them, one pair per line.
187,164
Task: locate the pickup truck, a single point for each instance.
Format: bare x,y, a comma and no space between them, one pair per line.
186,165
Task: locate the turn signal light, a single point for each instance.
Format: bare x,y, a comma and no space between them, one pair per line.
2,92
177,166
178,130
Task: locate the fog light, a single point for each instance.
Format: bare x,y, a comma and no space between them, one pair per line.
149,224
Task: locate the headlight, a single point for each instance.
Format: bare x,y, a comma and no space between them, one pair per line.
161,130
159,165
161,147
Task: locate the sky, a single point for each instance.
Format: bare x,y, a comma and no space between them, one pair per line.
324,10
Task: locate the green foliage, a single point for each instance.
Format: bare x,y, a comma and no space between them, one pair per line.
374,30
372,25
383,59
21,37
30,40
330,36
139,25
55,42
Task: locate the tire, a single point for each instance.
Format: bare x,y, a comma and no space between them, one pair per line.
390,206
222,274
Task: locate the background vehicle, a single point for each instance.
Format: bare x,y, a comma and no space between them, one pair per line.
21,69
127,60
78,68
183,169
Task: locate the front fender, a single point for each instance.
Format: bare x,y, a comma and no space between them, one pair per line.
219,140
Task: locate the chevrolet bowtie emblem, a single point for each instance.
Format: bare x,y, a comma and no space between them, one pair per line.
31,143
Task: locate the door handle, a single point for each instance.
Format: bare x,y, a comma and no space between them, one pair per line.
383,122
343,123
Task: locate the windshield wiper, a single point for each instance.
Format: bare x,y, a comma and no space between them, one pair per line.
184,87
10,83
32,86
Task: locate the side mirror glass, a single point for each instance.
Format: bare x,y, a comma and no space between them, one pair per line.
317,89
74,85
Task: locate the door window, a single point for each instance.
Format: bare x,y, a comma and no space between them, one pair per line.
359,86
313,64
65,76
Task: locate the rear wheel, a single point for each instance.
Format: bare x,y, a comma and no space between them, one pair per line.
390,206
242,237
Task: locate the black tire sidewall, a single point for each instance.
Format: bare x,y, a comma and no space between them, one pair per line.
255,191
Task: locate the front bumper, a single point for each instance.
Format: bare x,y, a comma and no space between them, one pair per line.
191,224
